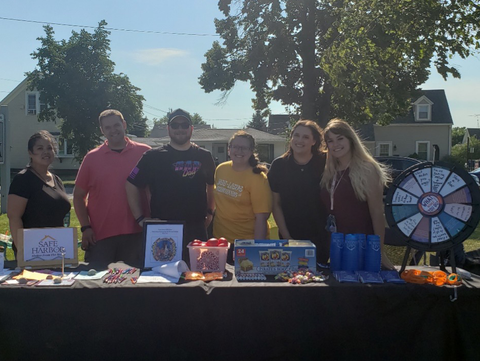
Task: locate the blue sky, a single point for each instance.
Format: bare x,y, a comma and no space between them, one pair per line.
166,66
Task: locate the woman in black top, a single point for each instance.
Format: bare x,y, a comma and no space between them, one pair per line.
295,182
37,197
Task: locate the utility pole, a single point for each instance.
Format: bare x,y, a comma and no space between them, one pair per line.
476,115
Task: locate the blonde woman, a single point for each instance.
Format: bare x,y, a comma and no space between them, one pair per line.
352,185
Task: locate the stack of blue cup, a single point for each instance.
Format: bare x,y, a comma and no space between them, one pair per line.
373,256
350,253
362,245
336,246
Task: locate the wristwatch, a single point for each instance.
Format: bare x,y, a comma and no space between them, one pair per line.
84,228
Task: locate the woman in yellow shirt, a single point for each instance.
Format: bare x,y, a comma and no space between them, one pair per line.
243,198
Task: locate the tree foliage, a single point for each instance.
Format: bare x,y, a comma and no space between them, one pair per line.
360,60
76,81
460,152
196,119
457,135
258,121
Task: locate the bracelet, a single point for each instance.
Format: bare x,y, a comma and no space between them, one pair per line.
84,228
139,219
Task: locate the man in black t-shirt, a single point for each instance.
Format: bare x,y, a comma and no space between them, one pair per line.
180,177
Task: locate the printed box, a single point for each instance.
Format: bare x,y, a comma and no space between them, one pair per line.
272,257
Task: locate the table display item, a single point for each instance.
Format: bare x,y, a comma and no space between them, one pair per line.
337,242
362,246
162,242
47,247
373,254
210,256
350,253
346,276
302,276
369,277
433,207
391,276
271,257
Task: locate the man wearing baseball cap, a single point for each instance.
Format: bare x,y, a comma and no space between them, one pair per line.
180,177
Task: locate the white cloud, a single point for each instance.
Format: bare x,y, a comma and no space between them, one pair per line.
157,56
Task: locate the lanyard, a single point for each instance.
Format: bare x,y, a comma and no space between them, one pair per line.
335,186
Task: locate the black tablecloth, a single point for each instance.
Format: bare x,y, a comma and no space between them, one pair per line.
227,320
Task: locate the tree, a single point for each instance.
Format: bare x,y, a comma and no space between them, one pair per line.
196,119
257,122
460,152
360,60
76,81
457,135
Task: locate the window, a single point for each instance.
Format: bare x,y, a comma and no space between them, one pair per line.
423,109
423,112
265,152
65,150
384,149
32,103
423,150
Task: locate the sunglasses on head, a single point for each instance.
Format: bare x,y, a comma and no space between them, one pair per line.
182,125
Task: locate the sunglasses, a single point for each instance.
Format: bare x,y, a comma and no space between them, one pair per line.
182,125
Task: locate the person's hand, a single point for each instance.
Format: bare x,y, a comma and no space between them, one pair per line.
386,263
88,238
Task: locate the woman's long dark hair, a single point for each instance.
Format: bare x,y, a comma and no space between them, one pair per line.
253,161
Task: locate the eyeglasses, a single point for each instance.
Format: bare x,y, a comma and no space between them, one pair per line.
182,125
239,148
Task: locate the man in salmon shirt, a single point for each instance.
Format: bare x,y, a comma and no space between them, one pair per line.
109,230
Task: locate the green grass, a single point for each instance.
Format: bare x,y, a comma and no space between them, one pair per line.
395,254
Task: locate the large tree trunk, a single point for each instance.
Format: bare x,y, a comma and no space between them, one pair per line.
307,52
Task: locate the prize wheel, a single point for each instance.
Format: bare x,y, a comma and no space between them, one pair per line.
433,207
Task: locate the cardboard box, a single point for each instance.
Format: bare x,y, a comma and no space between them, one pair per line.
272,257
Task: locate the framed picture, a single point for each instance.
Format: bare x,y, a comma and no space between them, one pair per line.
163,242
43,247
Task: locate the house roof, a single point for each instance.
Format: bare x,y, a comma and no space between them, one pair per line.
19,88
440,109
366,132
223,135
474,132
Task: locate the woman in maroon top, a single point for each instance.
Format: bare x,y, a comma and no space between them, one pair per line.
352,184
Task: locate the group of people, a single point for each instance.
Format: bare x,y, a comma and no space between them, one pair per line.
325,182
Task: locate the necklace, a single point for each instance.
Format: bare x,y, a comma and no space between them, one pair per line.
302,165
44,179
335,185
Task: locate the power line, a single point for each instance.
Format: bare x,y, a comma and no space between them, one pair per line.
107,28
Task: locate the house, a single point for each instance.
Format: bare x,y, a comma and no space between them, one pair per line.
22,107
269,146
426,130
469,133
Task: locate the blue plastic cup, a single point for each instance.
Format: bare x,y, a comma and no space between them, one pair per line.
362,246
336,246
350,253
373,255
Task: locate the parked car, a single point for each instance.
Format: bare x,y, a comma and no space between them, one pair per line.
397,165
475,176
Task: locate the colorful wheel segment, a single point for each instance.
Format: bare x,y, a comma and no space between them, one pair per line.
433,206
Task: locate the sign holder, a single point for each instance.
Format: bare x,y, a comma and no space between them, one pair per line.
43,247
